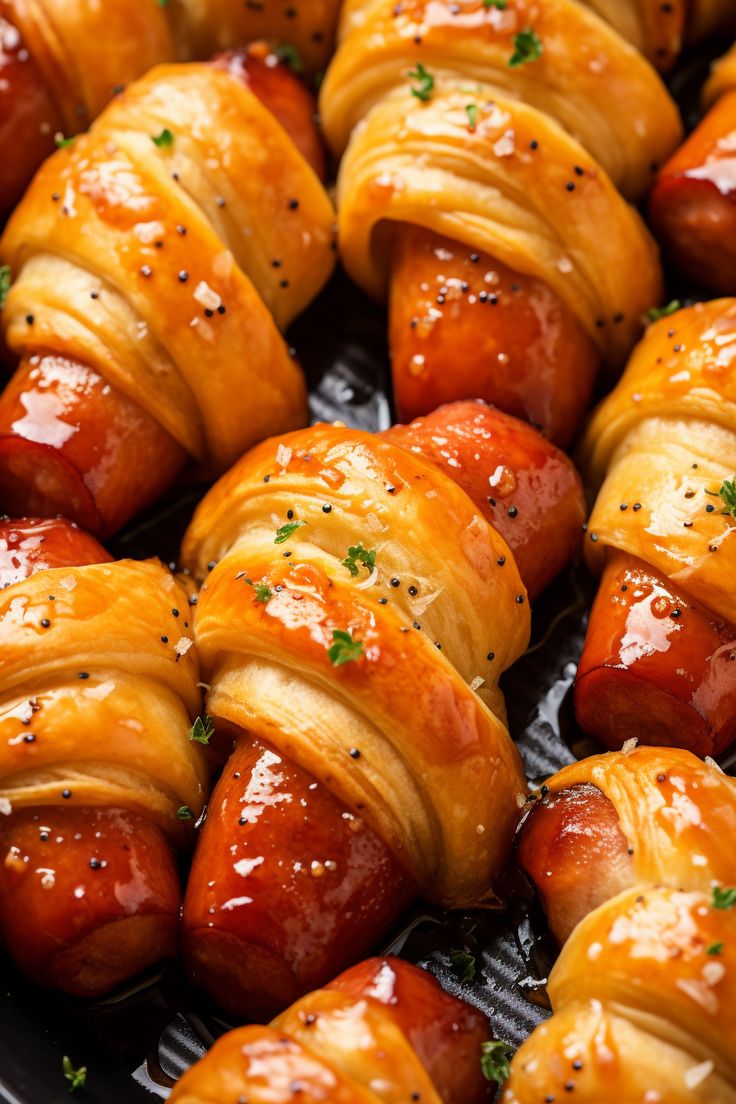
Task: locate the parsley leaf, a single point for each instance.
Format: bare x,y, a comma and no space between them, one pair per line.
285,531
77,1078
344,649
527,47
62,142
494,1060
263,592
202,730
358,555
185,813
472,111
500,4
464,963
163,3
425,83
724,897
5,281
727,493
290,56
714,949
662,312
164,139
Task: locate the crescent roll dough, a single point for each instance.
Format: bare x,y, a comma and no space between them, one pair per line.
722,78
85,48
644,989
519,161
659,29
202,27
82,650
437,777
660,447
188,328
382,1032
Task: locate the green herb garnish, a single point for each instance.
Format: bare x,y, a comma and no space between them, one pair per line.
202,730
77,1078
164,139
344,649
472,110
464,963
62,142
285,531
500,4
5,281
727,493
714,949
724,897
185,813
425,83
263,592
290,56
527,47
494,1060
662,312
358,555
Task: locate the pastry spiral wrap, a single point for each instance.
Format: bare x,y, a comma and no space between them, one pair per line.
201,27
661,447
120,738
479,181
345,629
118,194
61,62
99,778
85,50
675,407
153,271
660,30
405,704
692,206
642,992
382,1031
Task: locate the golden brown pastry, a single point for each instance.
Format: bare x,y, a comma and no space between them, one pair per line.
483,147
201,27
155,262
382,1031
358,613
631,854
660,29
61,61
99,778
662,449
693,203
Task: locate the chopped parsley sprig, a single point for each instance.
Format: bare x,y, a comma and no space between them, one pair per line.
655,313
285,531
290,56
358,557
424,86
77,1078
5,281
494,1060
527,47
464,964
343,648
724,897
202,730
727,494
163,140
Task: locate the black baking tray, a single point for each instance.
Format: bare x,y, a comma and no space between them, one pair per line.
138,1041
